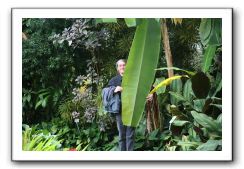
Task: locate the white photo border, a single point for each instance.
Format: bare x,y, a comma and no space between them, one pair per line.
16,46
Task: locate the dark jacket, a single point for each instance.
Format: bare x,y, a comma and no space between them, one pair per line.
115,81
111,100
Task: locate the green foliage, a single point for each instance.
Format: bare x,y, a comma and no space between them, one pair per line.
176,88
207,122
210,145
211,31
167,82
157,82
195,124
208,57
68,137
45,67
37,140
131,22
106,20
138,77
65,109
187,90
211,36
185,44
67,62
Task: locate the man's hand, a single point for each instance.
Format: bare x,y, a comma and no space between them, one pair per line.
149,97
118,89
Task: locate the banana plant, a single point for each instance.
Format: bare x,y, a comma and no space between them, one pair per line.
140,69
210,32
143,59
139,72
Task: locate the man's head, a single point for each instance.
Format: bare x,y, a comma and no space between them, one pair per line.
120,66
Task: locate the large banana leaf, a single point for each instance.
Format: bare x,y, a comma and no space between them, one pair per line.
211,36
208,57
139,71
211,31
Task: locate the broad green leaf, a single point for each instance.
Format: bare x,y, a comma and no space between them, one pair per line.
188,143
44,101
38,104
154,135
199,104
180,122
41,95
177,96
208,57
210,145
211,31
131,22
216,33
176,88
28,98
139,71
208,122
178,69
105,20
187,90
205,30
167,82
218,88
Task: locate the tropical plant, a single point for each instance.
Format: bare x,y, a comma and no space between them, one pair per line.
210,31
194,116
67,62
36,140
137,80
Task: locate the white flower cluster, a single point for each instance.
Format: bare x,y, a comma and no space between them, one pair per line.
75,116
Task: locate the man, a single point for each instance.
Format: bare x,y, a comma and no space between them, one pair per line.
126,133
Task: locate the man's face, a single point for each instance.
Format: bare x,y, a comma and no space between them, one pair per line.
121,67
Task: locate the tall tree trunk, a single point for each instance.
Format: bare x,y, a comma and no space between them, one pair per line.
166,46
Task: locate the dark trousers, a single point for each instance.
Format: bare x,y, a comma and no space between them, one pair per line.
126,135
